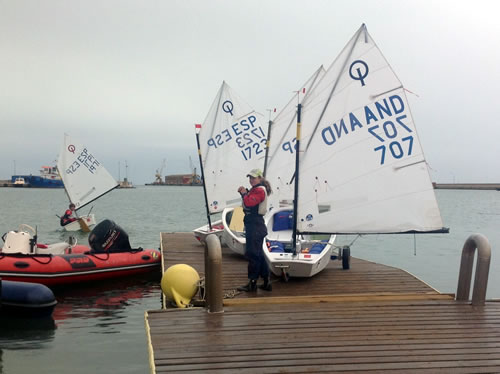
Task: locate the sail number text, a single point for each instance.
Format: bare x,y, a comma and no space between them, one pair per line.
85,159
389,131
251,139
384,120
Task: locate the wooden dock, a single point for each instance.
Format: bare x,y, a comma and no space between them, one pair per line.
372,318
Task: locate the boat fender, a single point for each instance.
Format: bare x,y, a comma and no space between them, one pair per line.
180,284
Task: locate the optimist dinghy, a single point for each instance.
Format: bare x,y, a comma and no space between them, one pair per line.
85,180
231,141
311,256
360,168
315,254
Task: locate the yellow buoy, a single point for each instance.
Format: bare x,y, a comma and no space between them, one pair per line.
179,284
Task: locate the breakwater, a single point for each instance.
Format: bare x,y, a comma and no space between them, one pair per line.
467,186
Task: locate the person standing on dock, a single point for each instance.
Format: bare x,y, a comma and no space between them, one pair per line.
68,215
255,206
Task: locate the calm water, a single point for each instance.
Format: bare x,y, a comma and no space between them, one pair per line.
101,329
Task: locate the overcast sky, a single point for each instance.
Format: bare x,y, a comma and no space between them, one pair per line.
129,78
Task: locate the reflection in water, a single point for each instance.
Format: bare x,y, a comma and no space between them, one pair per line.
23,333
107,304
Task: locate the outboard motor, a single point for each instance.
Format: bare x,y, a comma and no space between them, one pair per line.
107,236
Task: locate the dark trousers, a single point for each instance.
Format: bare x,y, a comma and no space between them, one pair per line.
257,265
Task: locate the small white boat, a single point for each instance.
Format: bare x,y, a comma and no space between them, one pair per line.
359,165
85,180
231,142
311,255
86,220
202,232
19,182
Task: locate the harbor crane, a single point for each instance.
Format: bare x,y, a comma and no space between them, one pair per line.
158,175
195,177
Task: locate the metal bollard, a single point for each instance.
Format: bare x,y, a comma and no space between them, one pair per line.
483,246
213,274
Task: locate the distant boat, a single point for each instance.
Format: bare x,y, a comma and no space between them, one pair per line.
48,178
85,180
125,184
20,182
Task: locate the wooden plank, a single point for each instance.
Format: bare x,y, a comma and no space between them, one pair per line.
370,318
403,336
364,276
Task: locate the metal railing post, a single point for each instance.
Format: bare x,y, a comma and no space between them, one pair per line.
213,274
482,244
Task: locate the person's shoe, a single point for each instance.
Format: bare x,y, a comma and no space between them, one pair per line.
266,286
250,287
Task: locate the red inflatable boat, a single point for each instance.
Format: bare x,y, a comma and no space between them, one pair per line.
52,270
109,256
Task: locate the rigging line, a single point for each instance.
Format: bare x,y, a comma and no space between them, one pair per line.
350,244
362,28
413,93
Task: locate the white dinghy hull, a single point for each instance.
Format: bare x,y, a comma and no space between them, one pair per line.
202,232
311,257
75,225
233,234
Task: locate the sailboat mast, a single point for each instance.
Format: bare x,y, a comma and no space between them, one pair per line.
268,142
197,130
296,185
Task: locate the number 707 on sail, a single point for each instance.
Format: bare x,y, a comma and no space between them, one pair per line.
396,149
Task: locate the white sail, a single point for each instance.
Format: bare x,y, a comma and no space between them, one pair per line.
282,144
362,168
84,177
232,142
